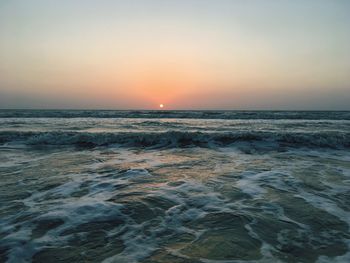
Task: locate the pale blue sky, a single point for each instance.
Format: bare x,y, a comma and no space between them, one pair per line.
219,54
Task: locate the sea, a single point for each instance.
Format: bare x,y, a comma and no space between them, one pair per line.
174,186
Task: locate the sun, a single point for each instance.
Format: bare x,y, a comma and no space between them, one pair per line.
161,106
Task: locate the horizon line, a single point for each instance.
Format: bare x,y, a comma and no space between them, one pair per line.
162,110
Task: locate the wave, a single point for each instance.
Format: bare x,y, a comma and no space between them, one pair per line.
231,115
336,140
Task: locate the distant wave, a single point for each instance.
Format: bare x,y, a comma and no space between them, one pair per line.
334,140
295,115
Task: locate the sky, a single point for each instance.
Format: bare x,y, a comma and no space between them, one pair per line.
185,54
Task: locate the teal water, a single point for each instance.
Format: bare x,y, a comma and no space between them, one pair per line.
138,188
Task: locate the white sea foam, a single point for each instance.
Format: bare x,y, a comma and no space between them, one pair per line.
167,186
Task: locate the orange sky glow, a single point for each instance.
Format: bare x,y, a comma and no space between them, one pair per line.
183,54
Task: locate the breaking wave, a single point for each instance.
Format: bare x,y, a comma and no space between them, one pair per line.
336,140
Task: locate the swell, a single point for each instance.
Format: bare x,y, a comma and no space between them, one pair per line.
180,114
336,140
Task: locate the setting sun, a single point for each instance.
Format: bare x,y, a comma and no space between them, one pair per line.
218,118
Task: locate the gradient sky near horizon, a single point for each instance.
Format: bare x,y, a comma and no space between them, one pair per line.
185,54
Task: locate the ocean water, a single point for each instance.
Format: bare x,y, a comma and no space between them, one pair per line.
174,186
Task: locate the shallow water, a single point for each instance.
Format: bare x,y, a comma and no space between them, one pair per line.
88,189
